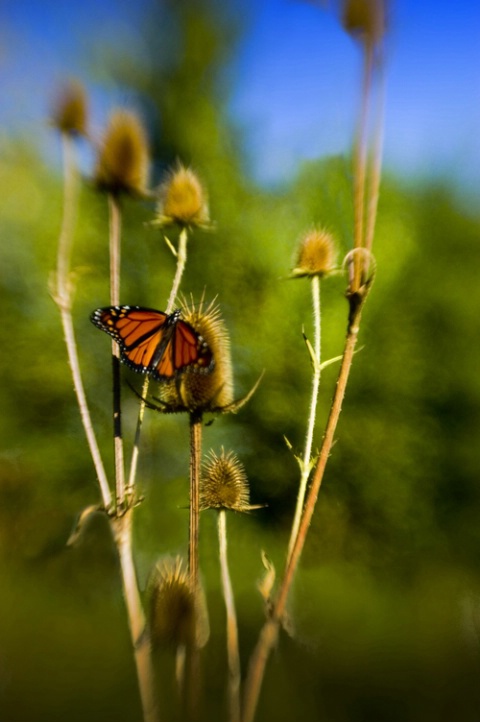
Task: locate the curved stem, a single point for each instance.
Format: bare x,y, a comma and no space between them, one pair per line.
69,335
63,299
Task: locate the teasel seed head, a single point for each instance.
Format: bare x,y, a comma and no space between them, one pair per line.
183,200
206,390
316,254
123,157
364,19
224,484
70,109
174,620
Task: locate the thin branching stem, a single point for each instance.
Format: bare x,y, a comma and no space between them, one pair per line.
122,522
307,454
115,226
181,262
232,629
356,294
63,298
269,633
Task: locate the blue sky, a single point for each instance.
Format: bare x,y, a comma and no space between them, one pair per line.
296,78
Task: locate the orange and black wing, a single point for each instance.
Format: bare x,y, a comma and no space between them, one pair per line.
185,350
154,343
139,332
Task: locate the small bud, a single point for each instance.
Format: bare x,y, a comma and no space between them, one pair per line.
183,200
224,484
364,19
211,391
122,162
70,109
316,254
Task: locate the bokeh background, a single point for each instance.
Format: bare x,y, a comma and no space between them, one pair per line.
260,99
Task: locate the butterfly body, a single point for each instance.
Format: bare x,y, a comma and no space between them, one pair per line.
152,342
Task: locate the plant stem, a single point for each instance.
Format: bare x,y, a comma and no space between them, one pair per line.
63,299
307,455
115,232
122,532
376,162
70,199
122,523
269,633
360,161
181,262
232,630
195,458
193,659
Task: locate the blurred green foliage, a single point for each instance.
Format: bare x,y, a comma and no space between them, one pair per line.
386,603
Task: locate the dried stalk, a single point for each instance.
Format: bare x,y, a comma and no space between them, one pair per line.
115,226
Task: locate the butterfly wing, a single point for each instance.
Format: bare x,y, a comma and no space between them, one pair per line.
139,332
154,342
190,349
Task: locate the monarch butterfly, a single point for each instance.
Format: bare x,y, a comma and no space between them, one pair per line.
153,342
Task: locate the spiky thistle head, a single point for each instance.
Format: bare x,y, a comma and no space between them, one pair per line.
224,483
174,618
211,391
70,109
315,255
123,156
182,200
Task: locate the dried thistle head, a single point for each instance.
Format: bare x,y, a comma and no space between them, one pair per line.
224,484
123,157
70,109
212,391
175,620
364,19
316,254
183,200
